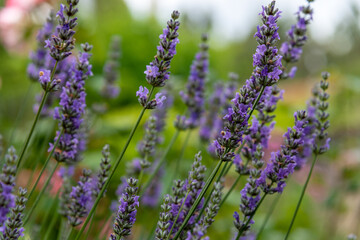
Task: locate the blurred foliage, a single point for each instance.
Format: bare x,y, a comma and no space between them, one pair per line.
333,194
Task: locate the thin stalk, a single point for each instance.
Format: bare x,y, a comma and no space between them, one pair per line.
301,197
162,160
45,165
28,215
241,231
212,190
230,190
114,169
90,227
53,208
268,215
141,175
198,199
43,100
178,214
256,101
70,233
51,225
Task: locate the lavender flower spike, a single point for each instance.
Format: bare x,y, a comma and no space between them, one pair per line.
194,95
143,96
102,176
126,215
61,43
72,102
158,71
162,229
80,199
7,183
291,50
13,229
110,89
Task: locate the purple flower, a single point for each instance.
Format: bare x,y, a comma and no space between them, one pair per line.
162,229
291,50
62,42
80,199
194,95
13,226
110,89
157,72
72,102
126,215
143,95
7,183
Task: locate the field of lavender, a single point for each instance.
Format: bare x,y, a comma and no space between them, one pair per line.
113,127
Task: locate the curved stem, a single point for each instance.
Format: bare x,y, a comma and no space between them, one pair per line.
162,160
198,199
40,195
45,165
114,169
178,214
268,215
301,197
43,100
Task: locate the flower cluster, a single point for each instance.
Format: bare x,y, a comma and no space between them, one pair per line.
110,89
7,183
13,229
126,215
143,97
80,199
99,182
291,50
73,105
61,43
162,229
194,95
158,71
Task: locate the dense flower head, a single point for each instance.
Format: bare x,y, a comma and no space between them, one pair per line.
103,174
80,199
162,228
192,187
65,173
110,88
7,183
157,72
62,42
266,60
143,98
291,50
126,215
13,227
47,83
72,102
193,97
38,58
211,211
283,162
161,112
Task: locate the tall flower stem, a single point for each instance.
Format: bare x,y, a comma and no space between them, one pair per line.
301,197
162,160
45,164
268,215
178,214
97,200
178,160
43,100
28,215
198,199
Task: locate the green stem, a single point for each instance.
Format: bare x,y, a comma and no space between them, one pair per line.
114,169
178,214
90,226
27,217
70,233
268,215
256,101
51,225
162,160
198,199
212,190
45,165
301,197
230,190
43,100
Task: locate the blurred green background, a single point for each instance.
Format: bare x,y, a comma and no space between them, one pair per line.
331,208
